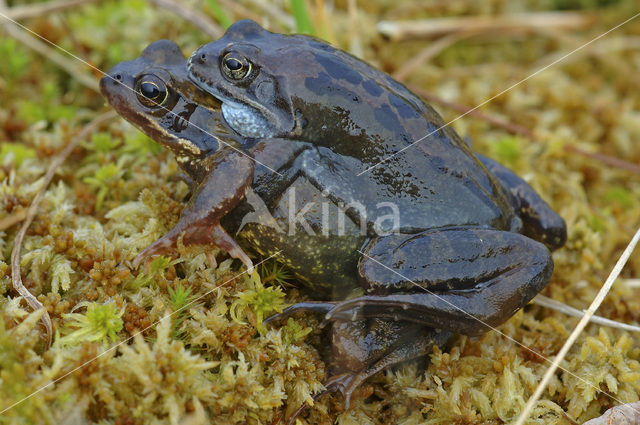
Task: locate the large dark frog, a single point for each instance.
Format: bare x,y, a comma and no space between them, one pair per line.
456,260
470,245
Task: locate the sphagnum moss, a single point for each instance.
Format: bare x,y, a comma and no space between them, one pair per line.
206,367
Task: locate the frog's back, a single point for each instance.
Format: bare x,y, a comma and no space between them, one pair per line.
377,143
373,140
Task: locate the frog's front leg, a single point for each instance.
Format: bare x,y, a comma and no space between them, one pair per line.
229,177
460,279
540,221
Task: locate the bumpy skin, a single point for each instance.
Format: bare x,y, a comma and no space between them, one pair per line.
461,259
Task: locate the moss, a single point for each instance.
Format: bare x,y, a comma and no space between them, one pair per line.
212,360
15,153
261,301
101,323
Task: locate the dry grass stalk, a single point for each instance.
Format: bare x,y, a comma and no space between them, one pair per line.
606,287
605,47
9,221
272,12
570,311
31,213
429,52
20,33
197,18
523,131
430,28
40,9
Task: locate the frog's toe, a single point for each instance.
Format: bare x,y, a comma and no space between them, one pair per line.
320,307
162,246
346,384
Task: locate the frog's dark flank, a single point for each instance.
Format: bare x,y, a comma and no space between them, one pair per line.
438,241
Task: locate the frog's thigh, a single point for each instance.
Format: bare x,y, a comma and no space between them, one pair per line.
540,221
458,279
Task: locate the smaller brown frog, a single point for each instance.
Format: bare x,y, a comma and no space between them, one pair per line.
153,93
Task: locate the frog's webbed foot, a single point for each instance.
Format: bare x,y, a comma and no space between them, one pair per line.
206,235
399,349
464,280
229,177
403,351
539,221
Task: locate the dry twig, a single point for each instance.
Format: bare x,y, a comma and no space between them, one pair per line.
31,213
429,28
533,400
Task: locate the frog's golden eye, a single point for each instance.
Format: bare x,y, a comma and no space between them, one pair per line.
235,66
151,91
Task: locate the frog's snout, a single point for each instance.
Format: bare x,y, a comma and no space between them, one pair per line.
201,58
115,81
107,82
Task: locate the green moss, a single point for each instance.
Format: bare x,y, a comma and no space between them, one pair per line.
102,179
180,297
15,59
101,323
261,300
507,150
15,153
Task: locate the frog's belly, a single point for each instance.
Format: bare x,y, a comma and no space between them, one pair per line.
308,233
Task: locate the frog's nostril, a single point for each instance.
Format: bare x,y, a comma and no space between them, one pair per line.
203,58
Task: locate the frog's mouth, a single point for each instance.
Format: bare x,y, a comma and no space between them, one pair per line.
244,118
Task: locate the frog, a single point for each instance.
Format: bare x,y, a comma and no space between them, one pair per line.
472,243
153,93
481,263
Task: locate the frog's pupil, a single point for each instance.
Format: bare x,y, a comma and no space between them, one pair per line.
234,64
149,90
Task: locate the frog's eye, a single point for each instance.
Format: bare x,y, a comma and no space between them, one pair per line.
151,91
235,66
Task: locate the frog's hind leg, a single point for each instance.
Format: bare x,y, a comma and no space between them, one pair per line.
363,348
539,220
464,280
404,350
321,307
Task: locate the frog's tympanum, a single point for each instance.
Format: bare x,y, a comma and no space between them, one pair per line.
435,240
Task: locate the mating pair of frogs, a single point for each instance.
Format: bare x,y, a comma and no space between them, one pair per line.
304,152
